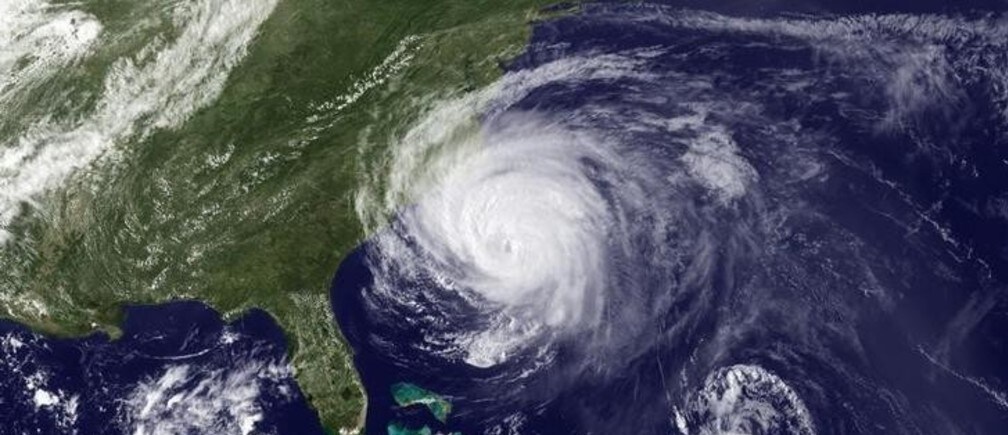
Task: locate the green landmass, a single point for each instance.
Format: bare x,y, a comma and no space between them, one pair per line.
407,394
249,203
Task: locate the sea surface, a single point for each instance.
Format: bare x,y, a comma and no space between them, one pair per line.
177,369
788,220
776,217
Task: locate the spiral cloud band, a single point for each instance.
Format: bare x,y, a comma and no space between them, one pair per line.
521,225
529,216
514,223
694,213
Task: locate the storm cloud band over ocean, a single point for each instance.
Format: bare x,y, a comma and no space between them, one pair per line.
674,221
762,217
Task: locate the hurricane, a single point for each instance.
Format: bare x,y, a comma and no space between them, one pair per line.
663,220
527,217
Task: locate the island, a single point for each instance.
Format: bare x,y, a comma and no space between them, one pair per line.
407,394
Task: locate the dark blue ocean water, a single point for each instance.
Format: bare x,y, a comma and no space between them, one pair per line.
874,285
92,381
875,281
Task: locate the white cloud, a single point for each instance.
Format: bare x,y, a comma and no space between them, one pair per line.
161,89
36,39
191,399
